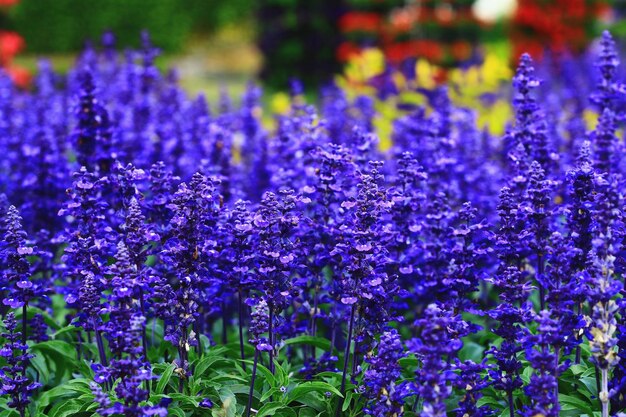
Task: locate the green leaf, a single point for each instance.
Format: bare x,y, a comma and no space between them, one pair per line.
578,369
314,401
240,389
269,409
307,412
59,360
90,406
526,374
206,363
186,401
173,411
490,401
66,408
286,412
591,371
267,374
223,379
280,374
84,367
229,404
347,401
307,387
318,342
164,379
71,389
591,384
39,363
408,362
571,402
56,348
32,310
64,330
233,350
81,385
472,351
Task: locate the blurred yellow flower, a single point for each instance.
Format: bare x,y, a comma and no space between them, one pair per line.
468,88
280,103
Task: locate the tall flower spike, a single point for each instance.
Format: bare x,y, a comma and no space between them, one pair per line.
603,287
607,89
161,187
128,368
540,148
525,104
470,244
88,235
433,256
296,92
238,256
92,134
414,133
537,232
564,291
364,284
137,233
523,139
385,396
134,250
259,325
327,183
277,254
125,180
15,251
543,386
582,182
605,142
472,381
514,311
408,198
195,210
14,382
440,339
366,281
149,72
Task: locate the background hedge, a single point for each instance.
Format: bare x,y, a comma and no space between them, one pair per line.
64,25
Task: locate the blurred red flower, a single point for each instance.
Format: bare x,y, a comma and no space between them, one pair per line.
556,25
20,76
10,45
360,22
347,50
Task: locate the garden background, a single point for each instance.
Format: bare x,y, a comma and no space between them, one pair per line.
218,43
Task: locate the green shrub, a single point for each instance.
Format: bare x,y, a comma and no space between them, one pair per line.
209,15
64,25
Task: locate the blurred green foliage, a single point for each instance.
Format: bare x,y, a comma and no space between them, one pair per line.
65,25
210,15
298,38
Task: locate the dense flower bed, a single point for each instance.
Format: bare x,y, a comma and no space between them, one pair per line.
159,258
